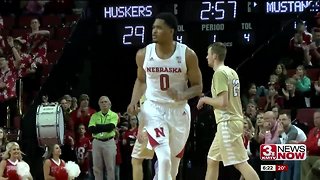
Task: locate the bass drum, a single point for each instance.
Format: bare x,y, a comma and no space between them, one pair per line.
50,124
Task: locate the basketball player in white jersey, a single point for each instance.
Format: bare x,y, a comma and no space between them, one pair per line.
165,68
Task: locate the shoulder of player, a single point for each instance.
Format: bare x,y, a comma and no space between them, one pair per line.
141,52
140,56
222,71
191,57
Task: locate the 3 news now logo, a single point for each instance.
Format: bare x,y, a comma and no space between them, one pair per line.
282,152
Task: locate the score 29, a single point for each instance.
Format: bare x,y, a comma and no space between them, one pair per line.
133,35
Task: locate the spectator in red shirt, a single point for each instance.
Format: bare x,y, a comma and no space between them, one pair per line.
82,115
36,44
7,91
130,135
311,164
22,62
312,51
298,43
83,146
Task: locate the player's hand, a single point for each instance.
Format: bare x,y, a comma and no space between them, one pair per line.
201,103
174,94
133,109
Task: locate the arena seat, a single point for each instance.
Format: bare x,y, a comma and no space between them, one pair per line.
51,21
63,33
24,21
306,115
53,57
19,32
8,22
313,73
47,69
262,102
55,45
291,72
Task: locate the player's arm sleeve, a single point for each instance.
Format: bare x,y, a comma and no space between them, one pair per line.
220,82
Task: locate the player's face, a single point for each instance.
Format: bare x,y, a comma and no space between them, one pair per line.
161,32
210,58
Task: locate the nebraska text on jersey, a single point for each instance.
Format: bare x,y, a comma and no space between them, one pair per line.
164,69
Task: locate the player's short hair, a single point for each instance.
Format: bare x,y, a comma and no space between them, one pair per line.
219,49
169,19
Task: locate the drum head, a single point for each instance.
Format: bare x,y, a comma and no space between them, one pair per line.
50,124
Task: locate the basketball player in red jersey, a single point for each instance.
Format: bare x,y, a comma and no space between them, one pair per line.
165,67
11,157
53,163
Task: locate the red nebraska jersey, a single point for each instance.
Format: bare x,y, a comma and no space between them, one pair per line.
82,146
10,166
55,166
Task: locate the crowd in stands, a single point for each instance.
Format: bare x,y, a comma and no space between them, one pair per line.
283,110
32,38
